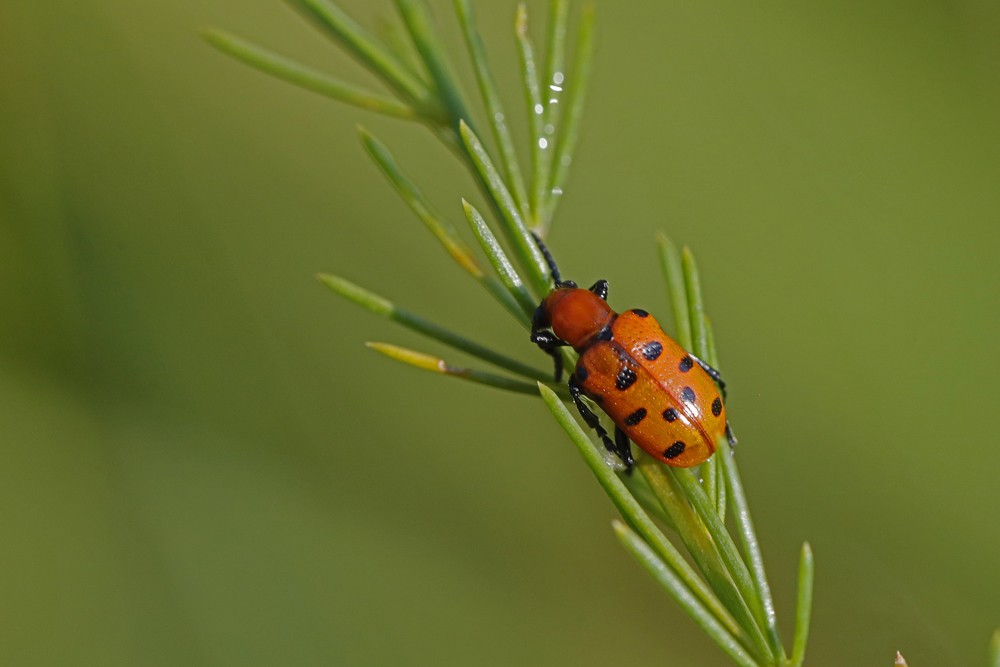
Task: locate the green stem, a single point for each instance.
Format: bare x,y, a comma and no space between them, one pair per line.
751,546
763,613
698,542
689,603
633,513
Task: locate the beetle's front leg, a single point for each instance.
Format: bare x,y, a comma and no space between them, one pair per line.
547,341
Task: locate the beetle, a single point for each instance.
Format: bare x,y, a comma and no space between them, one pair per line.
659,395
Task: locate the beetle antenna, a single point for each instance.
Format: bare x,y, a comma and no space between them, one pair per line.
556,277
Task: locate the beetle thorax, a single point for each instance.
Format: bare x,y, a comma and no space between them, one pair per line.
577,315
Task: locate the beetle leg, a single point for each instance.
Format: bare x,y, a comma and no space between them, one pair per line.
591,420
712,373
623,449
547,340
730,437
550,345
600,288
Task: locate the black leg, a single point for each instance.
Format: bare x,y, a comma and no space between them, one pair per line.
591,420
600,288
547,340
712,373
624,449
730,437
550,345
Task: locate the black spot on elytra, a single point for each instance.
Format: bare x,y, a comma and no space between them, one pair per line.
686,363
717,406
687,393
640,312
674,450
635,417
652,350
670,414
626,378
582,373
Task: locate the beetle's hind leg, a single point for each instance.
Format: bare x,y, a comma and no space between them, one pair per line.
623,448
730,437
620,450
712,373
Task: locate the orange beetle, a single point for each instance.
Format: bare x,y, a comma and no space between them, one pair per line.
660,396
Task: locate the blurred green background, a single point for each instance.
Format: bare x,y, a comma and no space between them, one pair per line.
202,465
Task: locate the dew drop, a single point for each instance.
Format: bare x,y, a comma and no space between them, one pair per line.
557,77
543,143
539,109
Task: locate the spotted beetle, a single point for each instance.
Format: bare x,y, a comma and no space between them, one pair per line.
659,396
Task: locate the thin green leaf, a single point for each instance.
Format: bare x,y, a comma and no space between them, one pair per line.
748,539
364,47
551,93
633,513
689,603
673,274
411,194
523,246
639,488
382,306
803,607
438,365
505,270
429,46
536,112
494,106
720,486
505,299
576,84
556,61
397,39
711,355
763,614
439,227
696,308
698,542
995,649
305,77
